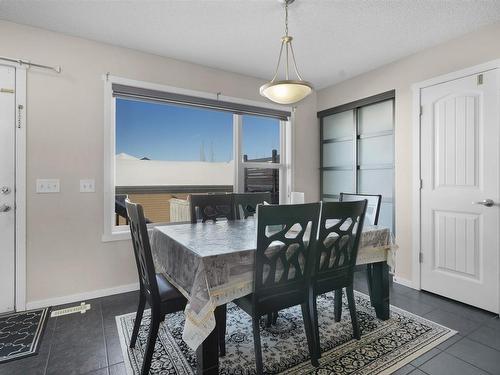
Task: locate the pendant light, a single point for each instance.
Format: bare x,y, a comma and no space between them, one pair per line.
287,91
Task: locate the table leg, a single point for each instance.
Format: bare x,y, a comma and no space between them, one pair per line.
379,290
207,354
369,279
220,317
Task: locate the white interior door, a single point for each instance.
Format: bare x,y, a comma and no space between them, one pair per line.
459,166
7,180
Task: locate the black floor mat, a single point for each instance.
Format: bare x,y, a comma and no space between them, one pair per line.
21,333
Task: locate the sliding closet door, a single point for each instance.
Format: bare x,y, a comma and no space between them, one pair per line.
376,155
357,151
338,154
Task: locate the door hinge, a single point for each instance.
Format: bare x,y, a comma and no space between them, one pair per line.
421,184
421,257
421,110
480,79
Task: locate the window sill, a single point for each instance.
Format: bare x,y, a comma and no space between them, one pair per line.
123,233
116,236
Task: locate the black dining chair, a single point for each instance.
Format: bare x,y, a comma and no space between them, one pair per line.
372,207
210,207
340,228
245,204
371,218
282,265
161,295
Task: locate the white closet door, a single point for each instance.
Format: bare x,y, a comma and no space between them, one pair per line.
459,166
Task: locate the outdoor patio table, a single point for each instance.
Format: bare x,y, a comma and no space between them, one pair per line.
212,264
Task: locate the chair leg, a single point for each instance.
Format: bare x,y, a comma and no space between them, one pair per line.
369,279
310,335
221,317
138,319
269,319
257,347
272,318
275,316
352,309
337,303
315,326
150,347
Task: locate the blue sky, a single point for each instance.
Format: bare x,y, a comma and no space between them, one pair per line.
177,133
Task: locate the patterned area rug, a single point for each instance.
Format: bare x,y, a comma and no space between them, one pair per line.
21,333
384,346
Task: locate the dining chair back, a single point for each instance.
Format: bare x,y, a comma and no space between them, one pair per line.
340,229
142,250
120,209
286,238
206,207
372,208
245,204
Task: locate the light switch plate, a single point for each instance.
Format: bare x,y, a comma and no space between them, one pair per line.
87,186
47,185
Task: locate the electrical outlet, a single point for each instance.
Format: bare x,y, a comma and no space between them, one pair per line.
87,186
47,185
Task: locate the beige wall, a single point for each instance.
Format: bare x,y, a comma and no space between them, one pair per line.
65,254
466,51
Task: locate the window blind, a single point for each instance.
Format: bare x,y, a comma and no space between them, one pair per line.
131,92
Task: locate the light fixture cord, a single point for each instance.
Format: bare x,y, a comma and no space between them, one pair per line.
287,43
286,18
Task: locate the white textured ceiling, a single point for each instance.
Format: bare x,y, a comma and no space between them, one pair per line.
334,39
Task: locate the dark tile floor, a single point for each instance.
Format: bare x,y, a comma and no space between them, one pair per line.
88,343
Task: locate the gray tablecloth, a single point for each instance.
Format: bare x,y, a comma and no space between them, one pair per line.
212,264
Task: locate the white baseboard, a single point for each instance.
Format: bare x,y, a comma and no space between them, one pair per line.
81,296
404,282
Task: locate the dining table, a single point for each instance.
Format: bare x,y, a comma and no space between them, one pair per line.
212,264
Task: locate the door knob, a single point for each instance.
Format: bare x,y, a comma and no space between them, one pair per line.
4,208
486,202
4,190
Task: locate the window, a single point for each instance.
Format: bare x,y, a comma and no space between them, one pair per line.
357,151
165,151
164,145
261,139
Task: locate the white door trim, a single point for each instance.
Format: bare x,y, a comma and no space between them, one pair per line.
416,207
20,297
20,198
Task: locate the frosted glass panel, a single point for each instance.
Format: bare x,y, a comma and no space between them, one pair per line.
375,117
335,182
385,215
376,181
376,150
338,154
330,199
338,125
